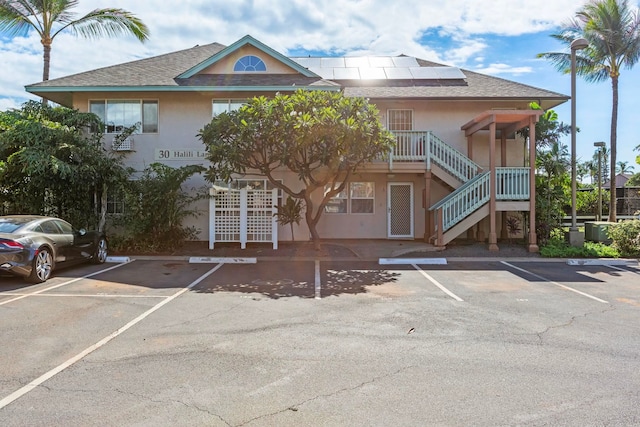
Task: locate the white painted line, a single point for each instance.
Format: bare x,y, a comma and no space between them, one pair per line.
555,283
412,261
221,260
622,269
62,284
85,295
35,383
601,262
118,259
435,282
317,279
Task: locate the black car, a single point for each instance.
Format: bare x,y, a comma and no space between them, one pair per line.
33,246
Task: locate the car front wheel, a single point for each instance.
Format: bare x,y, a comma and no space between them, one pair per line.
100,256
42,266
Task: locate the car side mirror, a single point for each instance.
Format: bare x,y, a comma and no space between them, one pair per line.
82,232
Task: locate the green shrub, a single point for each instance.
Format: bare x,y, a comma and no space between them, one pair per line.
155,207
557,247
626,237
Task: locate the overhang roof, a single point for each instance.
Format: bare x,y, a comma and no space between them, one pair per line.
508,121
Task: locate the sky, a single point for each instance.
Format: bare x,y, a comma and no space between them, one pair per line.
500,38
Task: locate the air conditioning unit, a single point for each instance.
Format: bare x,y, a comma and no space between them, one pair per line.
126,145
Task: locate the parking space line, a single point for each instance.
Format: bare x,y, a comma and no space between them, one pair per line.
622,269
41,379
435,282
86,295
555,283
63,284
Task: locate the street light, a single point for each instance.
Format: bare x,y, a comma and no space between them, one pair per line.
600,146
575,238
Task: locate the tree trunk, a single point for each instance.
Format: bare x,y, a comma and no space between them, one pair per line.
103,208
46,44
614,150
312,221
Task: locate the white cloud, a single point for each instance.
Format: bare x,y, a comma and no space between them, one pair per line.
495,69
336,26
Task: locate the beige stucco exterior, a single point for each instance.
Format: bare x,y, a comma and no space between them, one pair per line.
182,113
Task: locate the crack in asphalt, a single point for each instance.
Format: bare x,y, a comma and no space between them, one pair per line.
541,334
295,406
180,402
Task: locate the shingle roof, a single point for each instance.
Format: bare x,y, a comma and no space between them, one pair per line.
476,86
162,71
155,71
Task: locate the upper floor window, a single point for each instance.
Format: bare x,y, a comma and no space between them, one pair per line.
250,63
400,120
226,105
119,114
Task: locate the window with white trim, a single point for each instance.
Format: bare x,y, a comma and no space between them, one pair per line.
356,198
120,114
226,105
399,120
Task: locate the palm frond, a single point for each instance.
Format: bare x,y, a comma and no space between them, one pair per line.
108,22
17,17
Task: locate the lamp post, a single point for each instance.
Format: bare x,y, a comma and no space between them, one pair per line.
575,237
600,146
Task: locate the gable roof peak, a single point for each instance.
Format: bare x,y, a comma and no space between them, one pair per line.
244,41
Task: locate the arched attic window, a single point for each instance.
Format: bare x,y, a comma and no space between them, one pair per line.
250,63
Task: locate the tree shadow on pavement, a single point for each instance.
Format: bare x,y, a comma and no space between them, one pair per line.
334,283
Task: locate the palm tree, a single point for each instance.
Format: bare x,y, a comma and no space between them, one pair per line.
51,17
612,29
624,167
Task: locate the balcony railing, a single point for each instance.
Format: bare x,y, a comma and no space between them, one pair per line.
511,184
424,146
464,201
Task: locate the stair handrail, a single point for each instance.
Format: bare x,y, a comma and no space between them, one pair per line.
451,160
465,200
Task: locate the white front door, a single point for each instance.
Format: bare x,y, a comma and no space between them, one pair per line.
400,209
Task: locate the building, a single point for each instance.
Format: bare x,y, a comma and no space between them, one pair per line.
459,167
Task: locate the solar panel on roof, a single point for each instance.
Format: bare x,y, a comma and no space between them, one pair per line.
423,73
332,62
405,61
302,61
449,73
370,73
356,61
346,74
381,61
325,73
398,73
376,68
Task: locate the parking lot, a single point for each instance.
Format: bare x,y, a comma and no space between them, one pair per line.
297,343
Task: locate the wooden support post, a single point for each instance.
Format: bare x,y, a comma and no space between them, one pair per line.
533,246
428,227
504,232
493,237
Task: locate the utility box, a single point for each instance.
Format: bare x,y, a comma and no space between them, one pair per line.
596,231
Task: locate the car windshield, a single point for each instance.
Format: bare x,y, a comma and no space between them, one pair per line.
9,225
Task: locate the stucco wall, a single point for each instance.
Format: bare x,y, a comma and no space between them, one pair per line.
181,116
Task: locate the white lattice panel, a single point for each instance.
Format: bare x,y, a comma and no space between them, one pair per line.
243,216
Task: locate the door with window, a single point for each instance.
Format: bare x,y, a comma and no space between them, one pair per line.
400,210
